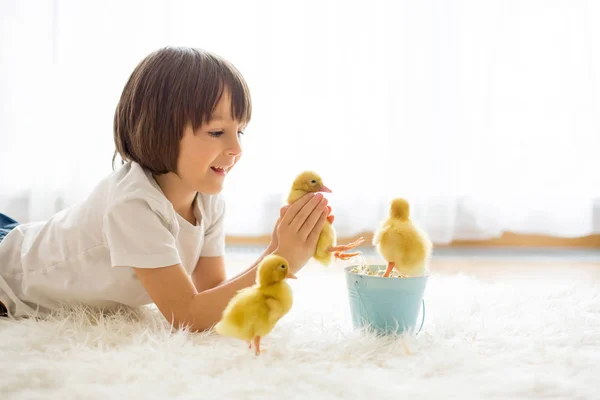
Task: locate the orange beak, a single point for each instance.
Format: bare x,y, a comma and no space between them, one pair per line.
325,189
291,276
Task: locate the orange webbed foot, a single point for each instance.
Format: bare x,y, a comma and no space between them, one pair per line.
338,250
345,256
349,246
388,271
257,349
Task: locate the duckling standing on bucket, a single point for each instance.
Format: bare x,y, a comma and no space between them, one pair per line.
401,243
311,182
253,312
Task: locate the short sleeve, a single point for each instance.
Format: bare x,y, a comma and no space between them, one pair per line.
214,236
138,235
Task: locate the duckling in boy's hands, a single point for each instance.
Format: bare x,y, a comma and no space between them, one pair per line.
253,312
307,182
403,245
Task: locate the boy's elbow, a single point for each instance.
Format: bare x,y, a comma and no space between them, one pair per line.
179,302
188,323
193,318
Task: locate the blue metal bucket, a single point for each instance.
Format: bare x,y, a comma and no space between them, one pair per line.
385,305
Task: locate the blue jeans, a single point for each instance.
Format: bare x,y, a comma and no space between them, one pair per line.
7,224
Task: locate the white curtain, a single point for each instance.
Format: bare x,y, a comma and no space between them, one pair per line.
484,114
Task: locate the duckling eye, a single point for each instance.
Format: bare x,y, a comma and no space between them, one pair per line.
282,266
313,181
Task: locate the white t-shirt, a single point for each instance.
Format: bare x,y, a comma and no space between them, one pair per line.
85,254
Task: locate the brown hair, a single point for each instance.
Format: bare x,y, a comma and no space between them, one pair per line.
170,88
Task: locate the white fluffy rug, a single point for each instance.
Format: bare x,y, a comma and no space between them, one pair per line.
515,340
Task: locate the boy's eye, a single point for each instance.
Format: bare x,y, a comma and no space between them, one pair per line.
220,133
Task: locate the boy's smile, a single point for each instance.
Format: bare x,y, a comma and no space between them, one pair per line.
220,170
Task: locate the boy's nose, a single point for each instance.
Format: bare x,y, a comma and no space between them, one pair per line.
235,149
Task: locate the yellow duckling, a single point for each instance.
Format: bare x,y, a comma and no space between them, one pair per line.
401,243
253,312
307,182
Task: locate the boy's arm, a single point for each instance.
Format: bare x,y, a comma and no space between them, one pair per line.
175,295
210,271
191,302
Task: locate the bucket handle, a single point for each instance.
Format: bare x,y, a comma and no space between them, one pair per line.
422,304
423,317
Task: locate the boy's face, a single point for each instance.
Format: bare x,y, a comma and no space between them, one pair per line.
207,155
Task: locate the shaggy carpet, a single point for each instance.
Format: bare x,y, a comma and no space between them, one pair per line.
481,340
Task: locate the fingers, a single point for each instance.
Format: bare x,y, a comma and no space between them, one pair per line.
302,215
312,219
314,234
295,207
283,210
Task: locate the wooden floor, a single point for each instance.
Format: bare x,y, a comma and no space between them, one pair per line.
490,270
511,256
568,267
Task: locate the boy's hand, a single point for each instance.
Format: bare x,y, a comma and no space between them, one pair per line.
275,242
299,227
